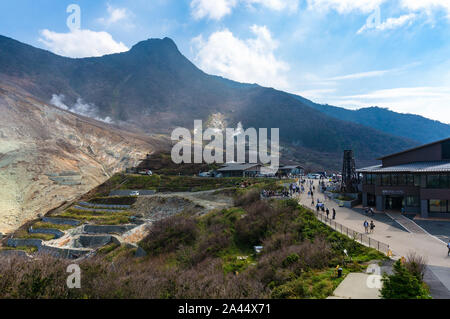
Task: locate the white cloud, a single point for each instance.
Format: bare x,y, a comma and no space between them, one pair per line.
277,5
390,24
116,15
251,60
81,43
345,6
217,9
212,9
427,5
362,75
430,102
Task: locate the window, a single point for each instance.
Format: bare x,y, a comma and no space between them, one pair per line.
444,181
446,150
385,179
438,181
377,179
438,206
417,179
412,201
394,180
402,180
369,179
433,181
409,179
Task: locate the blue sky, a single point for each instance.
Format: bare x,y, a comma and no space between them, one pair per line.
389,53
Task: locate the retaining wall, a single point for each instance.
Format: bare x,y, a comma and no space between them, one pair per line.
56,232
21,242
86,204
63,252
127,192
107,229
94,241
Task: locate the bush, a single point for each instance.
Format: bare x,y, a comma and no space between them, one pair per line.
416,265
252,229
168,234
247,198
403,285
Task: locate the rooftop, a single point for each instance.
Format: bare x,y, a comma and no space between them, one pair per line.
417,167
415,148
237,167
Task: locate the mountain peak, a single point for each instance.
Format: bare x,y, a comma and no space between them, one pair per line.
166,44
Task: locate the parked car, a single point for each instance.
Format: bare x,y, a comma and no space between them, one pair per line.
146,172
134,193
205,174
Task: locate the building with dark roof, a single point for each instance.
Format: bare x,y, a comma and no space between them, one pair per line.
416,181
290,170
239,170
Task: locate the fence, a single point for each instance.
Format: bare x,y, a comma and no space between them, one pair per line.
357,236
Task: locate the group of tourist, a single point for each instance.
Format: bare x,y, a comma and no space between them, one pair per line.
271,193
295,188
321,207
369,228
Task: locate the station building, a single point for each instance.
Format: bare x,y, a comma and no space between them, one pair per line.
416,180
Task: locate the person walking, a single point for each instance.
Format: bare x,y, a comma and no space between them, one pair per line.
448,246
334,213
372,226
366,226
328,213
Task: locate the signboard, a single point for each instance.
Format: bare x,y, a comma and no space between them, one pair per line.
393,192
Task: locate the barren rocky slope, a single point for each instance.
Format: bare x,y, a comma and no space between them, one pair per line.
48,156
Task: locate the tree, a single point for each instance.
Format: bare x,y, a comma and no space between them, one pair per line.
403,285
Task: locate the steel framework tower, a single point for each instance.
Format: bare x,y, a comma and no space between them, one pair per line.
349,182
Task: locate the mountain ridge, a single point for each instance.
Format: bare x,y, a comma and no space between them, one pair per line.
154,88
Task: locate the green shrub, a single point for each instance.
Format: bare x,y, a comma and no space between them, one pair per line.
403,285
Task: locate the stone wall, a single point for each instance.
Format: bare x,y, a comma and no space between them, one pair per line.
51,231
107,229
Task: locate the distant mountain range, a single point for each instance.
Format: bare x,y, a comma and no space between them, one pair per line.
415,127
153,88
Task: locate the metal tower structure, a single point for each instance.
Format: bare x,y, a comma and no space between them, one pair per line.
349,182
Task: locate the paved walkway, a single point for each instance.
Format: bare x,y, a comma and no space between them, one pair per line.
400,241
355,286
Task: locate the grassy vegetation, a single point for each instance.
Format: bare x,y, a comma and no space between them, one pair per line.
23,234
27,249
42,225
99,218
166,183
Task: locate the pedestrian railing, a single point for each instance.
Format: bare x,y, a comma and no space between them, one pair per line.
357,236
